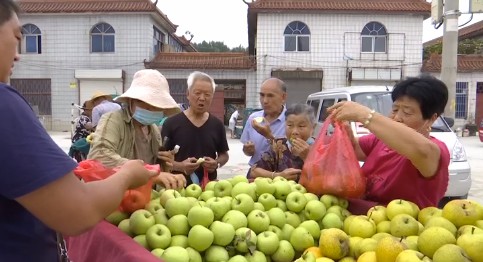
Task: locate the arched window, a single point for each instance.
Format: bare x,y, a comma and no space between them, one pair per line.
102,38
297,37
374,38
32,39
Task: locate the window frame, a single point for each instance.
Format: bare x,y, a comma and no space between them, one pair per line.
32,34
299,31
104,33
374,37
158,40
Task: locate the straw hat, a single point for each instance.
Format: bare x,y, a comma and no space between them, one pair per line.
98,94
151,87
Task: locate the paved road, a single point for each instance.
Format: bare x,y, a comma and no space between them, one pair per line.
238,161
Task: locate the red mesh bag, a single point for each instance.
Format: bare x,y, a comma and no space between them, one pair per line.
331,166
134,199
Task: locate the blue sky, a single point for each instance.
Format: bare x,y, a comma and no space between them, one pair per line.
226,20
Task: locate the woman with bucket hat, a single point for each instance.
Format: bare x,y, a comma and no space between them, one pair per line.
132,133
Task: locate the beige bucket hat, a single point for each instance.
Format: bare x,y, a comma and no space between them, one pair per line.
98,94
151,87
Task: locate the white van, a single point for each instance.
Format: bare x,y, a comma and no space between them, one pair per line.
379,98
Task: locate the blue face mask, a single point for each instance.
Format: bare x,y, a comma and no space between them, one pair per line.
146,117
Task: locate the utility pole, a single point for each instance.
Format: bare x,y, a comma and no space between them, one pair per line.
449,64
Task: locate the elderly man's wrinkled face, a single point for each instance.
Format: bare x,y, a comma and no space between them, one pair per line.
272,97
200,96
10,36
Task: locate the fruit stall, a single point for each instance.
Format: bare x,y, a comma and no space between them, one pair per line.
277,220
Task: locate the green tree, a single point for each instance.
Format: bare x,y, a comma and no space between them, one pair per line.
216,46
467,46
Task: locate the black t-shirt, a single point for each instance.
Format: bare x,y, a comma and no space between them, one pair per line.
206,140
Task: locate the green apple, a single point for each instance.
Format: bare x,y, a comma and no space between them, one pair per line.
334,243
451,253
157,252
139,221
472,244
362,226
354,245
410,255
468,229
245,240
210,186
307,257
175,254
155,194
284,253
366,245
292,218
282,189
181,191
117,216
160,217
178,225
427,213
400,206
236,218
275,230
237,258
124,227
199,215
403,225
179,241
347,223
264,185
433,238
200,238
193,190
295,201
206,195
177,206
287,230
301,239
194,256
277,217
441,222
215,254
246,188
242,202
311,196
379,236
411,242
258,221
377,214
383,226
280,178
228,199
141,240
299,188
223,233
256,256
268,201
338,211
331,220
168,194
238,179
462,212
223,188
344,203
154,206
219,207
158,236
314,210
313,228
258,206
267,242
282,205
329,200
388,248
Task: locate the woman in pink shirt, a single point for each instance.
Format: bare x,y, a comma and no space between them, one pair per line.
401,159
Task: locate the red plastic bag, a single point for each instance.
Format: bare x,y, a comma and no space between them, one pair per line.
134,199
331,166
205,179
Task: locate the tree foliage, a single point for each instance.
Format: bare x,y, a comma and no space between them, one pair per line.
467,46
217,46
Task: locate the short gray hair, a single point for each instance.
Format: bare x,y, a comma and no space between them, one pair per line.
197,75
281,84
301,109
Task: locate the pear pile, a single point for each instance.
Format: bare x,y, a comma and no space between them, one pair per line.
234,220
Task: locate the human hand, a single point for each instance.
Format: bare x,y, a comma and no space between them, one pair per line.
291,173
138,175
349,111
190,164
262,129
249,148
167,157
300,147
170,181
210,164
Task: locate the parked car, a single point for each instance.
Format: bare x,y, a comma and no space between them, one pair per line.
379,98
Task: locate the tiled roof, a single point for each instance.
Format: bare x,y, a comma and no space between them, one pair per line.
199,60
417,6
470,31
186,43
466,63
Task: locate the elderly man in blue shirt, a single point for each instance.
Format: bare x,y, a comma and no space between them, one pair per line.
102,104
273,94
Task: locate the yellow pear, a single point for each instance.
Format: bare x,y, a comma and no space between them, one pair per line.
369,256
462,212
472,245
427,213
411,242
441,222
450,253
324,259
377,214
334,243
346,259
388,249
366,245
410,255
433,238
383,227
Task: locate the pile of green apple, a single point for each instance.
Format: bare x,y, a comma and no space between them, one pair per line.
234,220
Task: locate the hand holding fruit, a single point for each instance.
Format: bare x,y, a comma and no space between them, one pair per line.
290,173
300,147
263,130
137,173
167,158
249,148
210,164
170,181
189,165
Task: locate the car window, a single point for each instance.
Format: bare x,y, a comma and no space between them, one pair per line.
314,104
323,109
381,102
